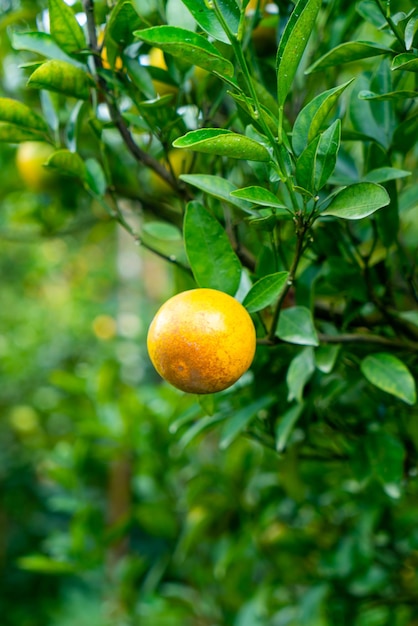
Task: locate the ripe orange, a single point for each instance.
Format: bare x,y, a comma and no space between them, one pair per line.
201,341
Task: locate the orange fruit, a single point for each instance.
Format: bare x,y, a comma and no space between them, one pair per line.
201,341
157,59
31,157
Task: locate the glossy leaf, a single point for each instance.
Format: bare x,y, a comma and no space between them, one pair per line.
296,326
293,43
406,61
325,357
347,53
68,163
384,174
15,112
43,44
65,29
61,77
300,371
217,187
211,257
241,418
188,46
317,162
258,195
265,291
387,372
286,425
357,201
206,17
223,142
312,117
411,29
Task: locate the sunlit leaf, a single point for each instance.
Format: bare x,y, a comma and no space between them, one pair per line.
357,201
65,29
390,374
223,142
61,77
206,17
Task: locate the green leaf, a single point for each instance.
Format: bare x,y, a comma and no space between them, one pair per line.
384,174
348,52
62,77
65,29
223,142
386,457
96,179
313,116
401,94
68,163
241,418
15,112
11,133
296,326
265,291
357,201
293,43
217,187
259,195
45,565
387,372
43,44
317,162
286,425
206,17
188,46
411,29
406,61
198,427
301,368
122,23
210,254
325,357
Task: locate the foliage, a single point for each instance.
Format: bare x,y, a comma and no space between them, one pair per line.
290,498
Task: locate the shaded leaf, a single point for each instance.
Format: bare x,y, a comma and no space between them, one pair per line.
265,291
317,162
286,425
210,254
366,94
61,77
223,142
218,187
65,29
406,61
357,201
384,174
348,52
188,46
387,372
68,163
241,418
293,43
198,427
325,357
300,370
411,29
296,326
386,457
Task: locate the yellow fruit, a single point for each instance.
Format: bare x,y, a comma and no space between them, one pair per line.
105,61
31,157
157,59
201,341
180,161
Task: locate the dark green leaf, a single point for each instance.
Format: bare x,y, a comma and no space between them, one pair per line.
198,427
387,372
241,418
265,291
357,201
325,357
411,29
65,29
312,117
218,187
296,326
317,162
205,16
286,424
61,77
293,43
390,96
386,456
223,142
188,46
346,53
384,174
211,257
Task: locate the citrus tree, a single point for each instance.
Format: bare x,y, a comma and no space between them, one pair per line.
266,151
